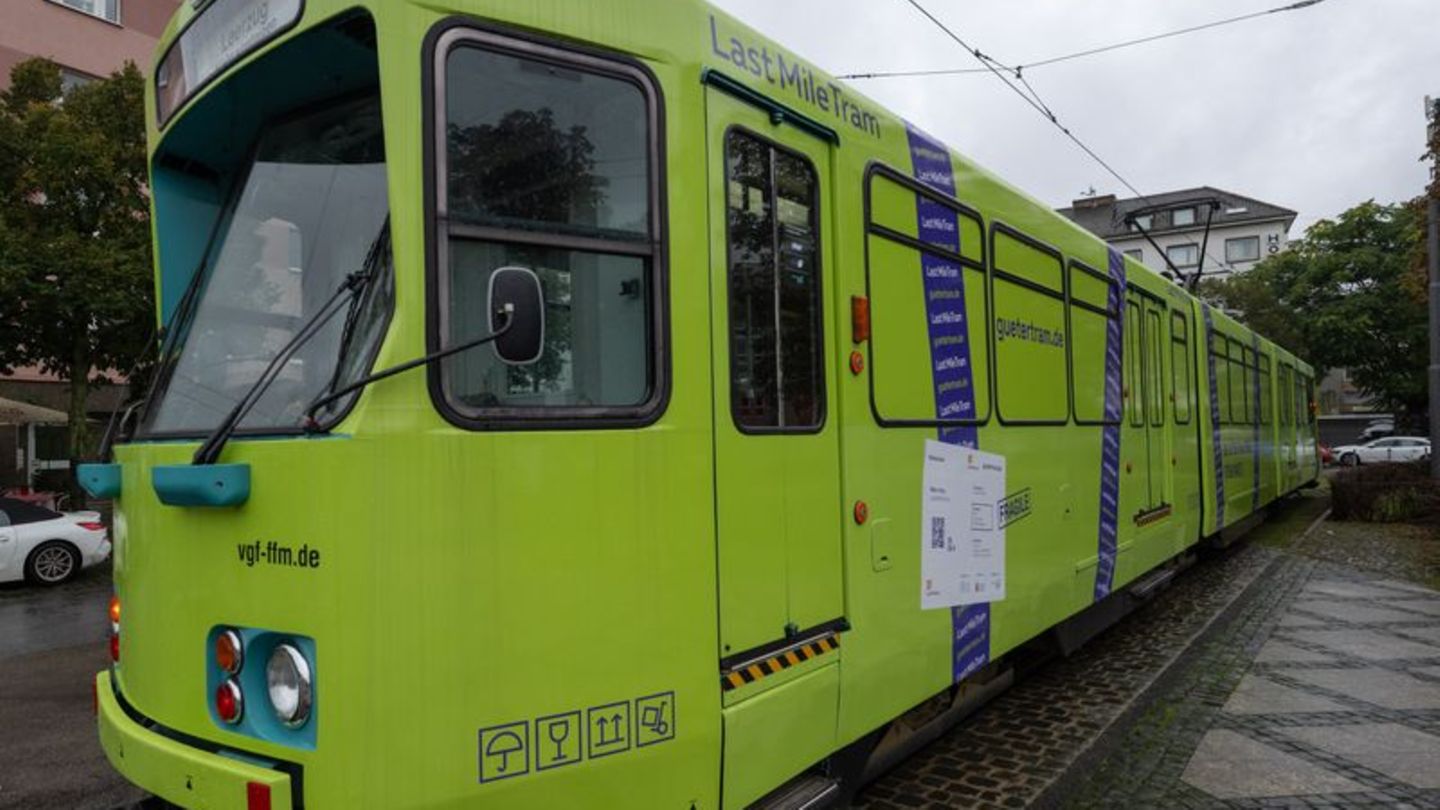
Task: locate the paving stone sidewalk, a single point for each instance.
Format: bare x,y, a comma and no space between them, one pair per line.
1321,688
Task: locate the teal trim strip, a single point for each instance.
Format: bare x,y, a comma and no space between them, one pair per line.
779,113
99,480
202,484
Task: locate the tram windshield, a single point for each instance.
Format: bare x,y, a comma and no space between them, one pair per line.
307,214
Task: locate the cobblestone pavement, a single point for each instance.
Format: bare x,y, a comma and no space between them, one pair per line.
1010,752
1320,689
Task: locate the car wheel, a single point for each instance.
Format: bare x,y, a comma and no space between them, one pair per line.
1349,460
52,563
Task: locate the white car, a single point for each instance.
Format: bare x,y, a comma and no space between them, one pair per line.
48,547
1392,448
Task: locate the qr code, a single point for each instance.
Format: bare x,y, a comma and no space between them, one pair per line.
937,532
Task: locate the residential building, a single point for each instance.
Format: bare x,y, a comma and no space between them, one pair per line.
88,39
1243,230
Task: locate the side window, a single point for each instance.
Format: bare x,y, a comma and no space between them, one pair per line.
929,309
777,378
1287,413
1239,414
1095,306
1265,390
1180,375
1029,326
1219,355
1154,361
1252,408
1134,381
549,163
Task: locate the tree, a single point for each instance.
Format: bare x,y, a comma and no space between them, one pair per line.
75,268
1350,294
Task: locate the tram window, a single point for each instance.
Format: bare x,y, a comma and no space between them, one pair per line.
1238,408
535,146
1265,390
1180,367
1154,361
1091,315
777,377
1134,388
1252,408
1031,374
550,167
924,373
1220,362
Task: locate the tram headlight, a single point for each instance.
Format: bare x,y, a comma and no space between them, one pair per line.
288,679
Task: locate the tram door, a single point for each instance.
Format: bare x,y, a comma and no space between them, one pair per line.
1144,443
1158,449
777,468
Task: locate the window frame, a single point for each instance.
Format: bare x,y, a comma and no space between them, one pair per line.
1175,217
1183,342
1138,254
1134,361
119,20
1111,286
1061,295
1235,240
982,266
1267,389
1177,263
821,355
1155,400
458,32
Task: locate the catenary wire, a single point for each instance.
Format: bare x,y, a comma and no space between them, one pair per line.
1033,99
891,74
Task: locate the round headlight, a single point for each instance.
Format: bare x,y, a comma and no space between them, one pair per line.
287,676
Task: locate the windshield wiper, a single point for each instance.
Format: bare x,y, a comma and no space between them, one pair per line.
353,283
313,426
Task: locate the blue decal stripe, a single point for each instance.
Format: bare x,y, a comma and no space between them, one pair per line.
951,371
1255,421
1215,420
1110,433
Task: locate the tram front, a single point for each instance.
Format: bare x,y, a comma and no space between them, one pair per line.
327,592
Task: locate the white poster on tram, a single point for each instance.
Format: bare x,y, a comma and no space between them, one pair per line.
962,533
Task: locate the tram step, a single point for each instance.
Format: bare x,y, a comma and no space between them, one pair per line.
804,792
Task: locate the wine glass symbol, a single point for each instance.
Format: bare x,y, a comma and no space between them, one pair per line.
558,732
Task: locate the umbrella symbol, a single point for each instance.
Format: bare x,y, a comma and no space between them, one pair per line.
502,745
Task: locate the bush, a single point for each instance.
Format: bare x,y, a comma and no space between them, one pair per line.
1385,493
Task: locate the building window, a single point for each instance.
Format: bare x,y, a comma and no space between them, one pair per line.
1138,254
104,9
1142,223
1182,216
1244,249
1187,255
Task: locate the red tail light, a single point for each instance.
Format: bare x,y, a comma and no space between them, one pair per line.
91,526
115,647
257,796
229,703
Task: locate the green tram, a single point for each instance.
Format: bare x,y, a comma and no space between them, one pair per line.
550,396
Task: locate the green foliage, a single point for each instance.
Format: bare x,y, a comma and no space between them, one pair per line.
1350,294
75,266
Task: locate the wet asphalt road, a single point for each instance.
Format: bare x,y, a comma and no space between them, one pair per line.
52,642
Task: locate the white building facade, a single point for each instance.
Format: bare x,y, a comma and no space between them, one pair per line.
1242,230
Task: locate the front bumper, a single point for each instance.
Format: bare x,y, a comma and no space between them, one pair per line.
176,772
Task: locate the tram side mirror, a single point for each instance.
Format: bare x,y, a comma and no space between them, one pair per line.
516,298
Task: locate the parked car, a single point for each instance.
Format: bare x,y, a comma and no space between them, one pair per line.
1391,448
48,547
1377,430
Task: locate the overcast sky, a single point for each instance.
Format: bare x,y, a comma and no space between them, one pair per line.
1315,109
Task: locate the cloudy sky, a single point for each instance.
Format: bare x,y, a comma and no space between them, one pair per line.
1315,109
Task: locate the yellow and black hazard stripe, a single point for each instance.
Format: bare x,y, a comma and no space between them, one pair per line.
753,671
